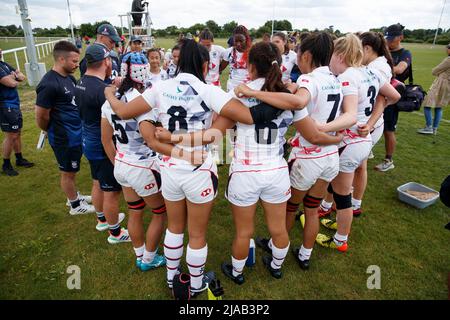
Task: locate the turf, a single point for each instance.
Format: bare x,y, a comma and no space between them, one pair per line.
40,240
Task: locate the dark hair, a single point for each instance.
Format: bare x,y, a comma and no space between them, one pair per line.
248,40
267,60
176,47
192,58
321,47
127,82
64,48
153,50
378,43
304,35
285,39
206,35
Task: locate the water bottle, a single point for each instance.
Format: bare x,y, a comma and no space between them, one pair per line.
251,259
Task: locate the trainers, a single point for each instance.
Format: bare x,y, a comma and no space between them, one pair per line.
357,212
9,171
122,237
329,224
227,269
83,208
158,261
371,155
304,265
324,212
102,226
263,243
138,262
24,163
276,273
435,131
426,130
385,165
328,242
207,278
87,199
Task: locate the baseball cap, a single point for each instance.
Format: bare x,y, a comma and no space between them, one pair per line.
96,52
134,38
393,31
109,31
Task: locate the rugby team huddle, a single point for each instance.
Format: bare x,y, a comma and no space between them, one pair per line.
152,133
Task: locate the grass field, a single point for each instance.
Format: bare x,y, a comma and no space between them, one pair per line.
40,240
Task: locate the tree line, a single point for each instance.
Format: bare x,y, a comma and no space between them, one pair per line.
224,31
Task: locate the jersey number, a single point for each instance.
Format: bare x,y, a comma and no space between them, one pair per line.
177,115
372,94
266,133
122,137
336,98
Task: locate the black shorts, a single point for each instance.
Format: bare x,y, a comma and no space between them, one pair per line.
390,118
10,119
137,19
103,171
68,157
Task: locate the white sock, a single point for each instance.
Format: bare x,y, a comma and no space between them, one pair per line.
173,251
304,254
278,256
139,251
356,203
340,239
148,256
238,266
196,260
326,205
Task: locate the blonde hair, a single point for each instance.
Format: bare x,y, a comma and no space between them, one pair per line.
350,47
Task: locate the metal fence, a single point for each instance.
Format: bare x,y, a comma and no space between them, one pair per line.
43,50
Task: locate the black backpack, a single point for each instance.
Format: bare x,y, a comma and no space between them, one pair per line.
412,97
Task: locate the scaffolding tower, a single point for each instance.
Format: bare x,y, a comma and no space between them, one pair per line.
144,31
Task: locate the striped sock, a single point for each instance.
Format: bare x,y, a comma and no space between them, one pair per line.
101,217
114,229
196,260
173,251
139,251
238,266
340,239
278,256
304,254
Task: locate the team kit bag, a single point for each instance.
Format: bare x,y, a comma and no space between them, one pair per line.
412,96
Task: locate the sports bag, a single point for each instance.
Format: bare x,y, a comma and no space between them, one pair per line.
412,97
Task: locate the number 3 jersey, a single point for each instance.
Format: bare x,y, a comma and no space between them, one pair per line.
364,83
185,104
130,144
324,106
260,146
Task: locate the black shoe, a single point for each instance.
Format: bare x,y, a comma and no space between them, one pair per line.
227,270
207,278
263,243
9,171
276,273
24,163
303,264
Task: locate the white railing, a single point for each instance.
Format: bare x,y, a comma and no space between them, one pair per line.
42,49
22,39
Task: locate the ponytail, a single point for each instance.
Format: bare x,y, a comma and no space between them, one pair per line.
266,58
192,58
378,43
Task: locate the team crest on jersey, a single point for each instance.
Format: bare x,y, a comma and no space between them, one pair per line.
149,186
74,165
305,80
206,192
345,84
214,54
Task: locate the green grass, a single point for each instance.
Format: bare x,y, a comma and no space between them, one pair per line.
40,240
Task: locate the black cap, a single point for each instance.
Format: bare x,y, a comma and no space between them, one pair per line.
134,38
96,52
393,31
109,31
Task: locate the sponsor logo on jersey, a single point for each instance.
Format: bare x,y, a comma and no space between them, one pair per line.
179,90
206,192
74,164
305,80
345,84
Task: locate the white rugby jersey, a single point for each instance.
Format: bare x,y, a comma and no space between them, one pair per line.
289,61
364,83
184,104
384,70
216,56
324,106
156,77
130,144
171,69
238,68
260,146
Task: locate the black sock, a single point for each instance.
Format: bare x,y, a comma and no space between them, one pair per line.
75,204
115,229
19,156
389,157
6,163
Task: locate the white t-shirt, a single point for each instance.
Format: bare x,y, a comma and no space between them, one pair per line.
184,104
289,61
238,68
130,144
324,106
260,146
385,70
364,83
216,55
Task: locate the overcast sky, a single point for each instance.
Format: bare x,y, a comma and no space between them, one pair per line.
345,15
